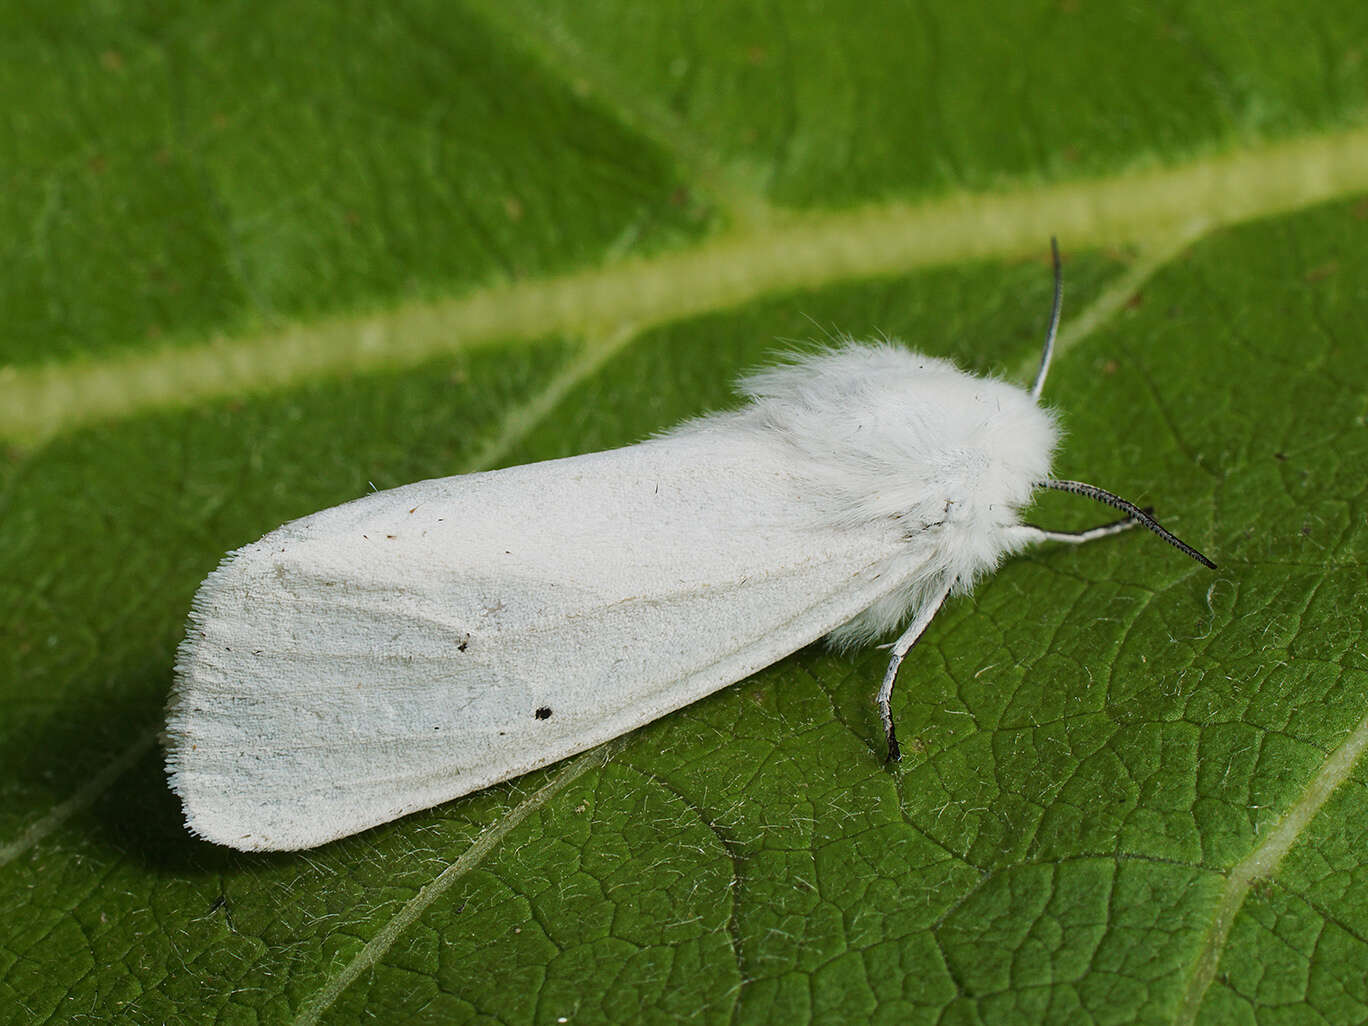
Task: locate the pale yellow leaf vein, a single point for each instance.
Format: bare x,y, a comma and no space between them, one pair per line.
369,956
83,797
521,419
1262,863
811,250
1155,254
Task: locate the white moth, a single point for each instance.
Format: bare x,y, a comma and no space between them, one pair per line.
421,643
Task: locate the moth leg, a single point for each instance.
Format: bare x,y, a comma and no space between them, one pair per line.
900,649
1030,533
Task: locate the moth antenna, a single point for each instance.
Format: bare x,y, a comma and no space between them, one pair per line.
1054,320
1131,510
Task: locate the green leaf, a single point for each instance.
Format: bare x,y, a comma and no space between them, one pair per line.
260,258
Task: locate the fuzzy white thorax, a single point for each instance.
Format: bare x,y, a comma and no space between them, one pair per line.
882,433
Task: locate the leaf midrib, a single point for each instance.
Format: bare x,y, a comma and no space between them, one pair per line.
1157,209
